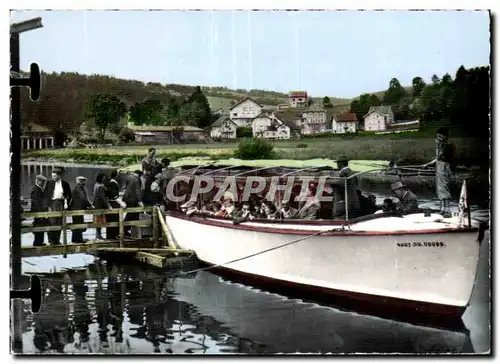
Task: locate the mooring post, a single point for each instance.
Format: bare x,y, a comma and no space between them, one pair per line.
65,238
155,227
122,230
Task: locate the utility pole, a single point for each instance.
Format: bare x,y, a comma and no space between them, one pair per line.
15,189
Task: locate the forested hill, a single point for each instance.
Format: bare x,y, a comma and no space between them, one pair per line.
64,96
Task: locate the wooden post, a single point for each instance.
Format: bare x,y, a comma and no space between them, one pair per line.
155,227
65,238
122,230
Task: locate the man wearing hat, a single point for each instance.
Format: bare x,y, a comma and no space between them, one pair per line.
58,194
79,201
407,200
39,204
353,205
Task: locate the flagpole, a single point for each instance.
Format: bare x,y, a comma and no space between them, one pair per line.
468,206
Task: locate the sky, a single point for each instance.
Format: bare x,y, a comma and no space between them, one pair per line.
339,54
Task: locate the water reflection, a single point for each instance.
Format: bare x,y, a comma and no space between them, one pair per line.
121,310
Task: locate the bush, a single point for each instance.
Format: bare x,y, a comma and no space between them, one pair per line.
244,132
254,148
302,145
126,135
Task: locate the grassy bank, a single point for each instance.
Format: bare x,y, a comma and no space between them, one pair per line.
405,150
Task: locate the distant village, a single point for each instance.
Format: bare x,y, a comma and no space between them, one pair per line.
294,119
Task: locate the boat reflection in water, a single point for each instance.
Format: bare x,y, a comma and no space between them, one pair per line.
131,310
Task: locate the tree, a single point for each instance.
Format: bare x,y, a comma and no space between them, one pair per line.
327,103
148,112
105,109
394,93
435,79
418,86
361,106
201,115
191,113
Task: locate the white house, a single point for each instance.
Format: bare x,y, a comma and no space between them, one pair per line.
378,118
270,127
223,128
344,123
313,120
244,111
297,99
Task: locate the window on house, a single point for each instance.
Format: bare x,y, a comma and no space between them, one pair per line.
300,99
235,114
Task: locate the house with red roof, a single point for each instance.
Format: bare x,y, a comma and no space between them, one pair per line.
297,99
344,123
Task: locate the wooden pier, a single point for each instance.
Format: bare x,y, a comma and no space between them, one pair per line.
155,249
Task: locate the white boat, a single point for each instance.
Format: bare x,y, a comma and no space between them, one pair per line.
424,263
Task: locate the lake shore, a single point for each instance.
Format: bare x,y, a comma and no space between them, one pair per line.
403,150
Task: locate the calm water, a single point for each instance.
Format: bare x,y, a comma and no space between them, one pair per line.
111,308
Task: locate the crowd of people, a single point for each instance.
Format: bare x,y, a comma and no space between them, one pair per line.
143,188
311,208
147,187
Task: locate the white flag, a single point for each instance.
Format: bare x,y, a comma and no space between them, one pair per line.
462,204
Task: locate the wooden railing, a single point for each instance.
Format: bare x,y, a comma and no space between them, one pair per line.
153,222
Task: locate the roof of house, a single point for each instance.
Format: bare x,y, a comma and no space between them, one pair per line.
220,120
298,94
382,110
35,128
184,128
348,117
243,100
314,108
288,117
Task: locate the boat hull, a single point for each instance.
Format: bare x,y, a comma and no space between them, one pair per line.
429,271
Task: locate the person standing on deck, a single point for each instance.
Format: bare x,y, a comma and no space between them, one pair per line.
39,204
407,200
79,201
58,195
100,202
148,163
444,161
132,198
352,185
112,193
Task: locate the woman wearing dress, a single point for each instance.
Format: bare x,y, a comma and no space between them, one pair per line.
100,201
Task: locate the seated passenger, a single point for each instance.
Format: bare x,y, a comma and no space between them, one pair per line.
270,211
287,212
407,200
228,207
213,208
367,204
189,207
244,214
310,208
387,206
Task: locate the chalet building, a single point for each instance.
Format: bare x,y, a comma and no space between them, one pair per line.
269,127
36,137
313,120
223,128
151,134
378,118
344,123
244,111
293,119
297,99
